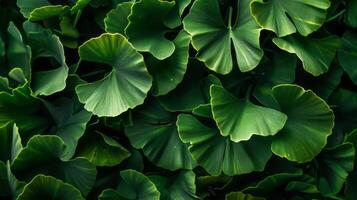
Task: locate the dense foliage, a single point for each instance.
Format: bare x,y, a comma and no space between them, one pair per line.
178,99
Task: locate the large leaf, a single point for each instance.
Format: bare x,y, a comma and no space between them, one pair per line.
286,17
10,142
213,39
50,149
347,55
179,187
334,165
315,54
241,119
146,29
226,156
133,186
101,150
154,130
310,122
124,87
168,73
44,44
47,187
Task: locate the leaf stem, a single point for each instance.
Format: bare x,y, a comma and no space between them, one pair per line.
230,11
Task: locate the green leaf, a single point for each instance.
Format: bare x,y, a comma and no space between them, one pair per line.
350,186
351,13
18,54
168,73
79,6
46,12
70,122
26,6
10,142
146,29
117,19
287,17
154,130
203,110
173,18
310,122
224,155
2,48
24,109
47,187
315,54
240,119
334,165
101,150
213,39
179,187
242,196
50,149
10,187
281,69
347,55
133,186
45,44
124,87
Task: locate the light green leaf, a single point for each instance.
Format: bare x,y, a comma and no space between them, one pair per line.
101,150
334,165
146,29
124,87
213,39
49,188
347,55
240,119
224,155
46,12
315,54
310,122
286,17
117,19
179,187
133,186
154,130
168,73
79,171
10,142
79,6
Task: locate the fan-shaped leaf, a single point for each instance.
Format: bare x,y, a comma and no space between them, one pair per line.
287,17
230,157
212,38
310,122
117,19
124,87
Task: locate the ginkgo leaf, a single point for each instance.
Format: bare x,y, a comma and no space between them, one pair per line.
240,119
226,156
315,54
124,87
310,122
214,40
287,17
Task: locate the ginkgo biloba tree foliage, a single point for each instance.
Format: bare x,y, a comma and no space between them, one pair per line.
178,99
